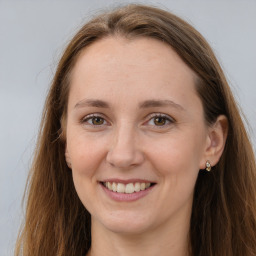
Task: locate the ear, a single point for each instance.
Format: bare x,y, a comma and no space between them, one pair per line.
215,142
68,160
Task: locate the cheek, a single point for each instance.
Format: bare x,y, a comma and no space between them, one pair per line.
178,171
86,152
85,160
177,154
177,161
86,156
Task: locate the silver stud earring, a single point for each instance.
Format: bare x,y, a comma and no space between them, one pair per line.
208,166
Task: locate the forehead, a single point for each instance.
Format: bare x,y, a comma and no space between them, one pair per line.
132,52
137,68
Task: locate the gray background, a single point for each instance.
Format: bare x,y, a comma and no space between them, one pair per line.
32,37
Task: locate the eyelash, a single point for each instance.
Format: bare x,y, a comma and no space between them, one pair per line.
87,118
150,118
165,117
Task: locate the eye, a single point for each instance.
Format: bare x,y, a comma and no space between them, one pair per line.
160,120
97,120
94,120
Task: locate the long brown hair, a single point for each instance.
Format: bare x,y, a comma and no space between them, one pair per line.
223,221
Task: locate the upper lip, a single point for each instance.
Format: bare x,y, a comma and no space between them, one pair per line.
127,181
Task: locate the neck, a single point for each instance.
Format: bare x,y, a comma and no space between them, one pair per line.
170,239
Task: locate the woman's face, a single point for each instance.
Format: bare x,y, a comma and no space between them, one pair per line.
135,124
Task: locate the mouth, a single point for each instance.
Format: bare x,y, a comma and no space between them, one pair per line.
127,188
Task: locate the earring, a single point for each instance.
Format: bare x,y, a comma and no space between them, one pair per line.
208,166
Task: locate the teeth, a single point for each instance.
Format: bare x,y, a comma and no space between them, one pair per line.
114,187
109,185
128,188
120,188
137,187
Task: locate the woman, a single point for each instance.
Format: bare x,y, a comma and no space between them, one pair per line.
142,150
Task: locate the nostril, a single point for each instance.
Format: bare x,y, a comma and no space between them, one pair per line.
121,159
124,158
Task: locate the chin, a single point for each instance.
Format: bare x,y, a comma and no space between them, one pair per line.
126,223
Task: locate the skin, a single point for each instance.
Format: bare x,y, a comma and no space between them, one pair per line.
127,141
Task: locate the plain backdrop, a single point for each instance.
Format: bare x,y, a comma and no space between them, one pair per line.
33,35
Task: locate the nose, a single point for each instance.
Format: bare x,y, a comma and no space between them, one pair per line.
124,151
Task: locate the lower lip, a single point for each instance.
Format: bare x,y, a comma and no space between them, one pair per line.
123,197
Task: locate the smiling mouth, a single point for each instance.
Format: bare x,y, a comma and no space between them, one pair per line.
127,188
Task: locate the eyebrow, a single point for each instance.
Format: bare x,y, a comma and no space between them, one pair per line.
160,103
145,104
92,103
